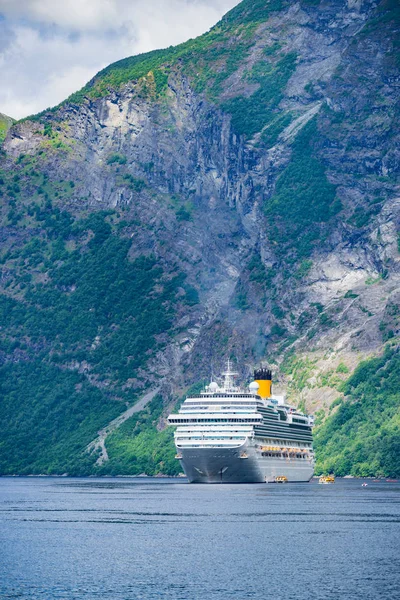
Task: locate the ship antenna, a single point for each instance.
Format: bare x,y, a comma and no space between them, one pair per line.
228,383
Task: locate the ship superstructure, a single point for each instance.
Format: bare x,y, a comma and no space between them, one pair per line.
232,435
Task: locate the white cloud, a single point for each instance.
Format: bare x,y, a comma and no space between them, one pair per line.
51,48
79,14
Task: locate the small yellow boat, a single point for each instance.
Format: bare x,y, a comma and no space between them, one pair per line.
281,479
327,479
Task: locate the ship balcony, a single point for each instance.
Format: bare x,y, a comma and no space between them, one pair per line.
210,443
222,418
213,431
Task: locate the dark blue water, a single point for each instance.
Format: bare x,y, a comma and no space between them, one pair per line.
143,538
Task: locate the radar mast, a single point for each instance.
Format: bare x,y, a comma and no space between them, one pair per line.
229,384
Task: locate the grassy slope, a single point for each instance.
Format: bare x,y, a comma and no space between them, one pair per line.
363,437
210,52
138,447
5,124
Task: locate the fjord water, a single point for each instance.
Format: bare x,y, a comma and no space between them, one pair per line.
161,538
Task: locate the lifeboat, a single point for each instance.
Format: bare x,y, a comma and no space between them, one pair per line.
281,479
327,479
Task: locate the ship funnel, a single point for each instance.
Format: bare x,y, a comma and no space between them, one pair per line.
264,379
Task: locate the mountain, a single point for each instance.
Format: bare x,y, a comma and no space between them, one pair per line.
237,195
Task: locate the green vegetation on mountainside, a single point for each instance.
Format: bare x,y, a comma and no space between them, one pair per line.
362,438
251,114
48,416
5,124
228,42
303,201
72,300
138,447
95,304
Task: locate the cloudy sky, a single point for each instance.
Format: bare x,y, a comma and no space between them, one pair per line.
51,48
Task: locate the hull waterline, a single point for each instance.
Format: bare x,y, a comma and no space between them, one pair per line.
226,465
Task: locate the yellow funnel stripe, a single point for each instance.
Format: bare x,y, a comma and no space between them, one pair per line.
265,388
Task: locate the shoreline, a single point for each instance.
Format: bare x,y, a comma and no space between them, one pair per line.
177,477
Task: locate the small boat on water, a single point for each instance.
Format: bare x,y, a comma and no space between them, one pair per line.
364,484
326,479
281,479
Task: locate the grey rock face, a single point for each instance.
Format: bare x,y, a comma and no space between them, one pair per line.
184,148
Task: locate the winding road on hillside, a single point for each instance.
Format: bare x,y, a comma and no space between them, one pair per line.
99,442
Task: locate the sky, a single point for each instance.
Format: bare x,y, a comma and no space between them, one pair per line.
51,48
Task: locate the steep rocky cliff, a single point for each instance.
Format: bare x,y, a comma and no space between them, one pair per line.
234,196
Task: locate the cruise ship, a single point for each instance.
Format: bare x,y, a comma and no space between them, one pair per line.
227,434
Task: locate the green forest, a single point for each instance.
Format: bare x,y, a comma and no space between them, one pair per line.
80,319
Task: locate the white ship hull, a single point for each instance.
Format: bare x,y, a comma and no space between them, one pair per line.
229,465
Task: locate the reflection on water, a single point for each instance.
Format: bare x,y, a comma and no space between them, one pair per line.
121,539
